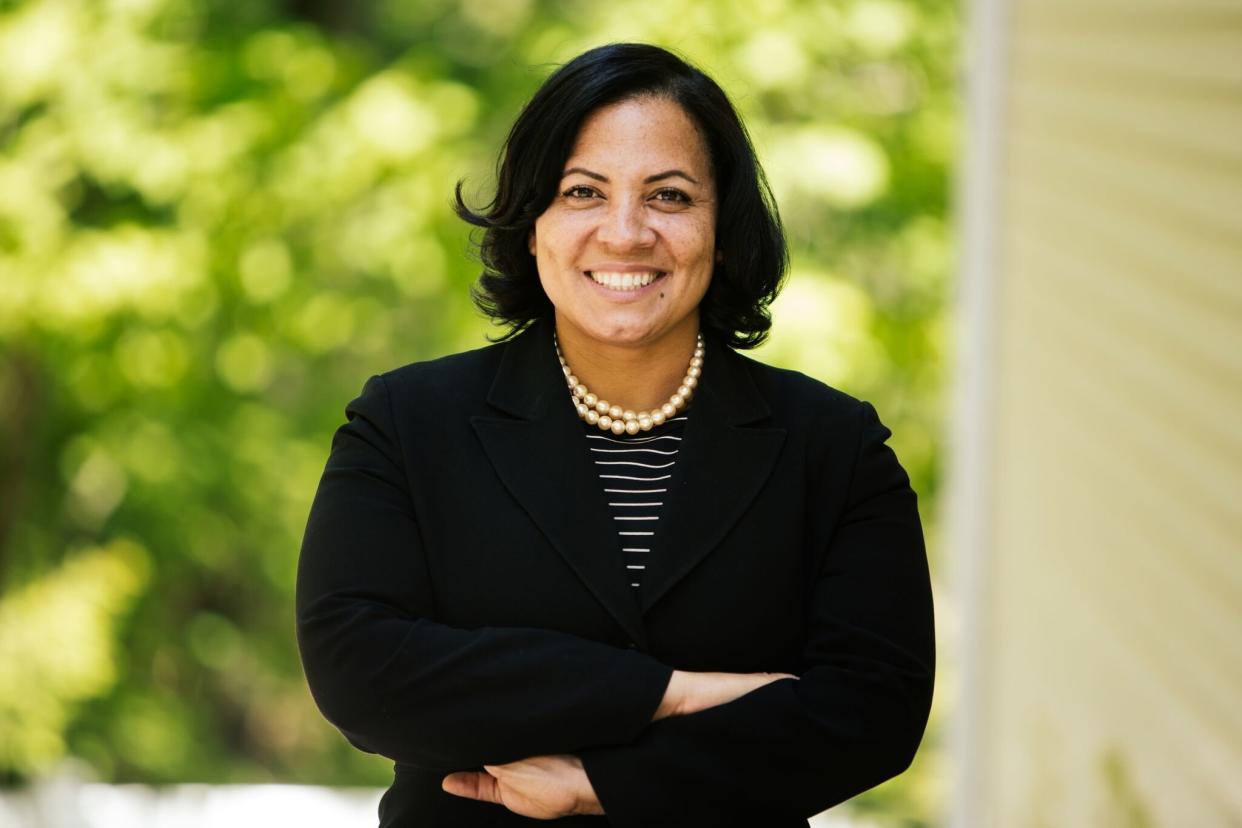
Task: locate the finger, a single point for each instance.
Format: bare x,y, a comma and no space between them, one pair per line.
472,785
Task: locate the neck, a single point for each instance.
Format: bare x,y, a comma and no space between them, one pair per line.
641,376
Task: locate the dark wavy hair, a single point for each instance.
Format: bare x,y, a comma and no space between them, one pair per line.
753,257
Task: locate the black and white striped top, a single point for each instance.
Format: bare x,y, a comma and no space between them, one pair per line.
636,472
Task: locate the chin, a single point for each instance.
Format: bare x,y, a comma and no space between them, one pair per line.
624,335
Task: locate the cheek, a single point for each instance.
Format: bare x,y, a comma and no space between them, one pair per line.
696,247
690,238
557,239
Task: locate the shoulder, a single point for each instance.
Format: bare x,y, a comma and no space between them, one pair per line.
799,400
837,429
428,400
460,379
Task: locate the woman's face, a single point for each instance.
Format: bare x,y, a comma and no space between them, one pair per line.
625,250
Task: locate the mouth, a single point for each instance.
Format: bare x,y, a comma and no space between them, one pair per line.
627,281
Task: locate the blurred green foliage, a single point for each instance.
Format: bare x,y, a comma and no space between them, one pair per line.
217,219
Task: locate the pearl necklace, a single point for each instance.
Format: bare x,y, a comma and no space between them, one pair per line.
620,420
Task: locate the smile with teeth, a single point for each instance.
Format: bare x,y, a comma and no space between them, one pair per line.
624,281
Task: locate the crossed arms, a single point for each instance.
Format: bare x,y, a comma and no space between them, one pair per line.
521,701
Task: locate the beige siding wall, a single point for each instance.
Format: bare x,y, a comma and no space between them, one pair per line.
1107,665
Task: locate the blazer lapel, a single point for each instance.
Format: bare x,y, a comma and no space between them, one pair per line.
541,457
721,466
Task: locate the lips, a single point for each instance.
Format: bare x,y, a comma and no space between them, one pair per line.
627,280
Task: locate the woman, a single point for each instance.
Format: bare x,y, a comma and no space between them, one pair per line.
609,569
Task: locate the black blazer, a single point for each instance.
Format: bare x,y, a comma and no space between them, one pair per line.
462,600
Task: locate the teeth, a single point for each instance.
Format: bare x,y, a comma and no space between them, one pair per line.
623,281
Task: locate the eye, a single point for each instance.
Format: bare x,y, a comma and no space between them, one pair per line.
672,196
579,191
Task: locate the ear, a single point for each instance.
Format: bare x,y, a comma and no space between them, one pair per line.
530,242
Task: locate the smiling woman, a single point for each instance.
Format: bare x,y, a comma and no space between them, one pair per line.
624,255
608,569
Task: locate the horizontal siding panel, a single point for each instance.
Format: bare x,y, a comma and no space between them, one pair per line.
1141,125
1100,279
1177,453
1175,195
1163,229
1194,290
1195,51
1201,277
1085,517
1106,16
1212,73
1099,514
1114,587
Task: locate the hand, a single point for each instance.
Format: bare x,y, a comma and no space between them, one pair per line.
542,787
691,692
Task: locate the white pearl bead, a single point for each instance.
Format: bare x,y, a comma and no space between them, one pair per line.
632,426
645,423
692,381
605,422
696,362
572,380
694,371
657,417
628,415
592,416
668,410
618,426
580,390
564,368
678,402
683,391
582,410
602,406
615,412
590,399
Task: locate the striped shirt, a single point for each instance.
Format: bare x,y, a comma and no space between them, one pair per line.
635,472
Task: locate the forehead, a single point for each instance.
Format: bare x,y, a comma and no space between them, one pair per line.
638,135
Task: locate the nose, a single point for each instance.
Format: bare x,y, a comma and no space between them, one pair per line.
624,226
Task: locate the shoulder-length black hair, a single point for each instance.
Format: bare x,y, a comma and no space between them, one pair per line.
753,258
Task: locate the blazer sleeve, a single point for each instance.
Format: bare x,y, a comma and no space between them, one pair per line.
853,719
398,683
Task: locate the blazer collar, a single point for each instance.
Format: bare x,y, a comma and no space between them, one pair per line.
541,457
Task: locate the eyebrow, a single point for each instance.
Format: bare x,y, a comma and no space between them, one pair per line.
648,180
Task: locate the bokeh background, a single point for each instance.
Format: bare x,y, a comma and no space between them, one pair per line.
217,219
